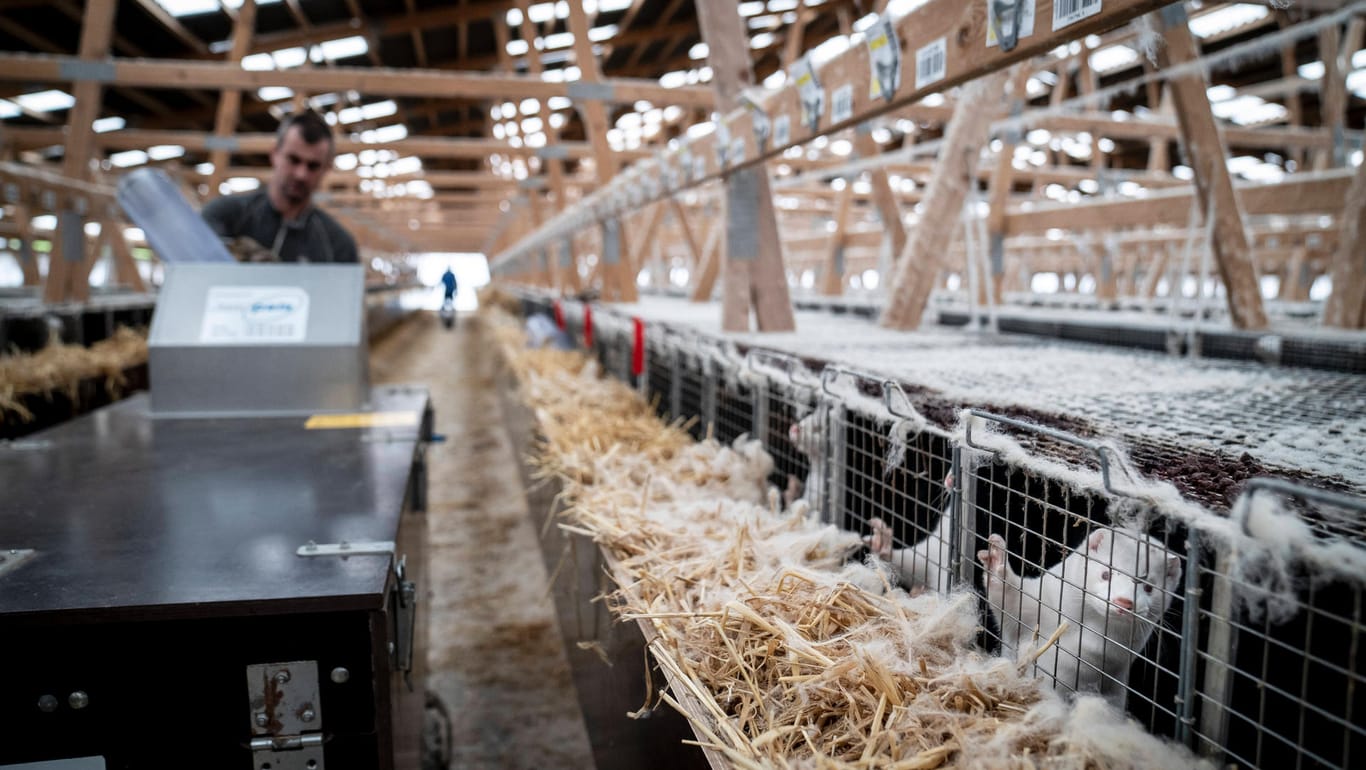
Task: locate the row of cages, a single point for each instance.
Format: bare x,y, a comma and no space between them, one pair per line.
1239,652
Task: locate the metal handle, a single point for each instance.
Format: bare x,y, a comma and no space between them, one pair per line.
1099,450
1291,489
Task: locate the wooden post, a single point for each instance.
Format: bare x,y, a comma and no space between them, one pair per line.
68,252
1207,156
1002,180
1346,306
125,267
710,264
832,268
754,261
942,205
884,197
28,258
1155,270
617,284
230,100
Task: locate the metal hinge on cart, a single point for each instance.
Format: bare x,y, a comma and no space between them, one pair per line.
404,599
286,716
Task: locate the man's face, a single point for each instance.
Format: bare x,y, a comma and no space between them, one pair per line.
298,166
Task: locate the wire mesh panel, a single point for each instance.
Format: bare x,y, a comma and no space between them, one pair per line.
1093,605
734,402
660,366
691,384
896,489
1282,676
796,436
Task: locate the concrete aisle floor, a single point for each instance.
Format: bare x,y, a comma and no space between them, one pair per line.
496,656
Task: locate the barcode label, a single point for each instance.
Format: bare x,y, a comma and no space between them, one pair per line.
930,63
1068,12
270,331
782,131
842,103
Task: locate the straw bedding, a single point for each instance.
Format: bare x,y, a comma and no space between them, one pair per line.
60,369
786,656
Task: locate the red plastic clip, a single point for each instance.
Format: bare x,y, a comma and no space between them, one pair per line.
638,350
559,315
587,325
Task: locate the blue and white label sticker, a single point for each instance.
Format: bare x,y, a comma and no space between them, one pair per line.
782,131
1069,12
931,62
1026,22
254,315
842,103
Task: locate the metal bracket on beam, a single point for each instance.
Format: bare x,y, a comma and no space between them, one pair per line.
532,183
214,142
78,70
552,152
344,548
601,92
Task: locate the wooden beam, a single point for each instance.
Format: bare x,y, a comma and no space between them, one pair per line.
619,282
1346,306
261,143
28,259
709,267
884,197
1145,129
832,267
230,101
753,274
1213,184
193,74
923,259
1310,193
1001,182
173,25
64,278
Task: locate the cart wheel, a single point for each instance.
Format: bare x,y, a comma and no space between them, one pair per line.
436,734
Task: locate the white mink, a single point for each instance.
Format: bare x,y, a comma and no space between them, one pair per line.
807,435
923,565
1112,592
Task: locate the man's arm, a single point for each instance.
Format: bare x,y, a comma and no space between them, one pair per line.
222,214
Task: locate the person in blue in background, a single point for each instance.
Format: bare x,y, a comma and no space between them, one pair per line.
448,303
448,280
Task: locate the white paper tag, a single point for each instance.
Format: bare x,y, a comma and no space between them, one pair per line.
736,156
1068,12
842,103
1026,22
254,315
699,167
884,59
782,131
931,62
809,92
722,143
763,127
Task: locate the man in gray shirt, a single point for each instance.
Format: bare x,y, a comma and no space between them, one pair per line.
281,217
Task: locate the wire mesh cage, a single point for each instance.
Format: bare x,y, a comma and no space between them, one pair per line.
1090,601
1098,591
1282,672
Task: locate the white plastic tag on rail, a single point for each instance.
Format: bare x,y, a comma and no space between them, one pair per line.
842,103
722,143
1069,12
1026,22
931,63
809,92
884,59
763,127
782,131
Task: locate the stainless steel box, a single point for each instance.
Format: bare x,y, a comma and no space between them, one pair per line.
259,340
